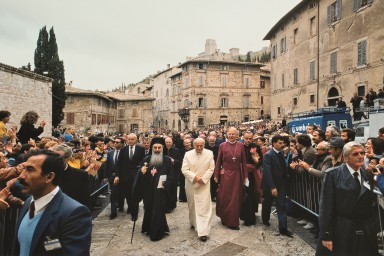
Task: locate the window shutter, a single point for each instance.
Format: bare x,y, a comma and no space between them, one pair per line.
356,5
205,103
338,9
329,14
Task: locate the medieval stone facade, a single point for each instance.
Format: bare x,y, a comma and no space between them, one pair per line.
113,112
321,50
208,92
22,91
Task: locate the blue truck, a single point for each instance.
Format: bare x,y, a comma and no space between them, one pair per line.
322,118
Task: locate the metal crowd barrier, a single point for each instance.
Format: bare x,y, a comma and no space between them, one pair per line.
305,192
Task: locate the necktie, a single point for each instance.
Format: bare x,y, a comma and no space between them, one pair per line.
116,156
130,152
356,176
281,159
32,210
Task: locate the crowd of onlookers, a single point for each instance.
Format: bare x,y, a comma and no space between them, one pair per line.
309,154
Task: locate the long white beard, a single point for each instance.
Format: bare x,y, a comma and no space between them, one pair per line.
156,159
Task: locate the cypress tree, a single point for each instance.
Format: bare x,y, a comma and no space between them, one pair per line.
248,59
47,60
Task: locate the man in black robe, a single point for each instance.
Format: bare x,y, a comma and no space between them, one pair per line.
173,153
154,192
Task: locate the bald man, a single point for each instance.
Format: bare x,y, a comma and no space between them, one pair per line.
129,158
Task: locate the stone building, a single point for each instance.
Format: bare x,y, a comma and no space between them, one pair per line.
161,83
22,91
321,50
113,112
210,92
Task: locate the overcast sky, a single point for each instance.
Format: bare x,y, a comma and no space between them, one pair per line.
106,43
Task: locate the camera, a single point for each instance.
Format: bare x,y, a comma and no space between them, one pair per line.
378,168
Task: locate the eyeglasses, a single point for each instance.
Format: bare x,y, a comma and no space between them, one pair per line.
358,153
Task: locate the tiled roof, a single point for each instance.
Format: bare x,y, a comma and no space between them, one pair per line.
26,73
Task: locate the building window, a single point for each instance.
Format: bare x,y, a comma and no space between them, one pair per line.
278,111
357,4
70,99
201,103
362,53
274,52
261,100
361,90
200,121
201,66
262,84
333,64
201,80
311,98
312,5
121,113
134,112
167,93
98,119
93,119
134,127
295,101
70,118
224,102
246,102
282,81
312,26
223,67
246,82
312,72
295,76
295,35
224,80
334,12
282,45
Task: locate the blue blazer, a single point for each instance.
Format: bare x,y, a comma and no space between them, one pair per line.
274,175
64,219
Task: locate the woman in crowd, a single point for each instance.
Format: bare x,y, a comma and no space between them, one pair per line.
27,130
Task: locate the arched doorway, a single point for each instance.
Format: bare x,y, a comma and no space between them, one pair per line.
333,95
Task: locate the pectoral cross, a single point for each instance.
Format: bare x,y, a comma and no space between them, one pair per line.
234,159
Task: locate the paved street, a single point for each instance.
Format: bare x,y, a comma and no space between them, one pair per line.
112,237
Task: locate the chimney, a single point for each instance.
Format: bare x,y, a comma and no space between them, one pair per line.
168,66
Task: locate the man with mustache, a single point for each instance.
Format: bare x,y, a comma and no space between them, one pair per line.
153,184
50,222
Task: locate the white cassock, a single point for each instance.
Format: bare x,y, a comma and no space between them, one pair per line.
199,195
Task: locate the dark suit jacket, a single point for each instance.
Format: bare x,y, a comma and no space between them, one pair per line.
28,131
126,168
109,166
346,208
63,219
274,174
75,184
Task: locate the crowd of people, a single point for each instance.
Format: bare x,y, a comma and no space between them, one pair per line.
238,168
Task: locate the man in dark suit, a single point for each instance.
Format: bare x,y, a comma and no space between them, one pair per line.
129,158
174,154
75,182
50,222
214,147
109,168
348,209
274,184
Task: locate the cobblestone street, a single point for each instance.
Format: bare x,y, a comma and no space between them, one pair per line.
112,237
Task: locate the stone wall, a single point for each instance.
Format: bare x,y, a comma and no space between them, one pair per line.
23,91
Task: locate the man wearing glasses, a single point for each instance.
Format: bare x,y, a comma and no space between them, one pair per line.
348,209
322,162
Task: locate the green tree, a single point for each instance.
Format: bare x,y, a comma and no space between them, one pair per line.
265,57
48,63
248,59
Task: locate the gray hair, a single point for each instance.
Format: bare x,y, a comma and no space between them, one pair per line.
326,144
349,146
334,130
65,149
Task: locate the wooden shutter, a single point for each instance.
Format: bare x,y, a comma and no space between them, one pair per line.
329,19
338,9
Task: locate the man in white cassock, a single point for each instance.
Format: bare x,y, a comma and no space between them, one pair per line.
198,166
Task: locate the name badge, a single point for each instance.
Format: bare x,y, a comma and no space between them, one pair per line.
51,245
